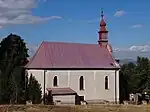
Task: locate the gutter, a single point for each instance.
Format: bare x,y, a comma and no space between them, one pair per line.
44,86
115,87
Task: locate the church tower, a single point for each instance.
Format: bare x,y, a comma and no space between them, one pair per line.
103,39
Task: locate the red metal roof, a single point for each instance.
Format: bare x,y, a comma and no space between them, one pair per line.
60,91
71,55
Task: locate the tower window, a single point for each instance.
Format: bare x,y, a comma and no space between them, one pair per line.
81,83
106,82
55,82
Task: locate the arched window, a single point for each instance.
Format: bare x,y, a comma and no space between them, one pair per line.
55,81
106,82
81,83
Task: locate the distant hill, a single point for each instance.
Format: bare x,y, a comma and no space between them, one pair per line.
125,61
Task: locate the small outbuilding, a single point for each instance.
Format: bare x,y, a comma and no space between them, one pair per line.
62,95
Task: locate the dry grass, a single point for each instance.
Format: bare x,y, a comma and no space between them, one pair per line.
89,108
114,108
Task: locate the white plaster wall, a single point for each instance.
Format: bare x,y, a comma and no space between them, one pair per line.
94,82
101,93
65,99
62,77
88,76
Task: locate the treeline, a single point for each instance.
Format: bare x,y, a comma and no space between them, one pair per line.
135,78
13,86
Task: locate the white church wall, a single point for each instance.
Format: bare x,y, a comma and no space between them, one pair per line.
88,76
65,99
101,92
94,82
62,77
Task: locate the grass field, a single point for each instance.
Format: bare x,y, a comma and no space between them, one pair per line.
92,108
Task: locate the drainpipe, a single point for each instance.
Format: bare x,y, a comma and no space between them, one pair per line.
115,87
44,86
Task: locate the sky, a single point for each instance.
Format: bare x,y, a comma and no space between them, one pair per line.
128,23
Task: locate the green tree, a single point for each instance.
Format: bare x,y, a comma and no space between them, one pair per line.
34,90
26,86
135,77
127,80
143,72
14,54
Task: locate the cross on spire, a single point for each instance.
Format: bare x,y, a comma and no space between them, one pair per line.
102,13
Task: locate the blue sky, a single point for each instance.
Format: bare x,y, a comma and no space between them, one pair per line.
77,21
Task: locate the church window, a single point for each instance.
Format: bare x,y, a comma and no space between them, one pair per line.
81,83
106,82
55,81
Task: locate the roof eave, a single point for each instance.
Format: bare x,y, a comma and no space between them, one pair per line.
116,68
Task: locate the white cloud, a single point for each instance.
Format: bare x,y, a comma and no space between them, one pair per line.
133,51
137,26
139,48
29,19
32,49
143,48
19,12
119,13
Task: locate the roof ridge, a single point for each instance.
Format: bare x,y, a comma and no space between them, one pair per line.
69,42
31,59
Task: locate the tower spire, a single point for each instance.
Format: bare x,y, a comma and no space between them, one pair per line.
103,40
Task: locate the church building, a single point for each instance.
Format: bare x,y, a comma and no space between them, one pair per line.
71,72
